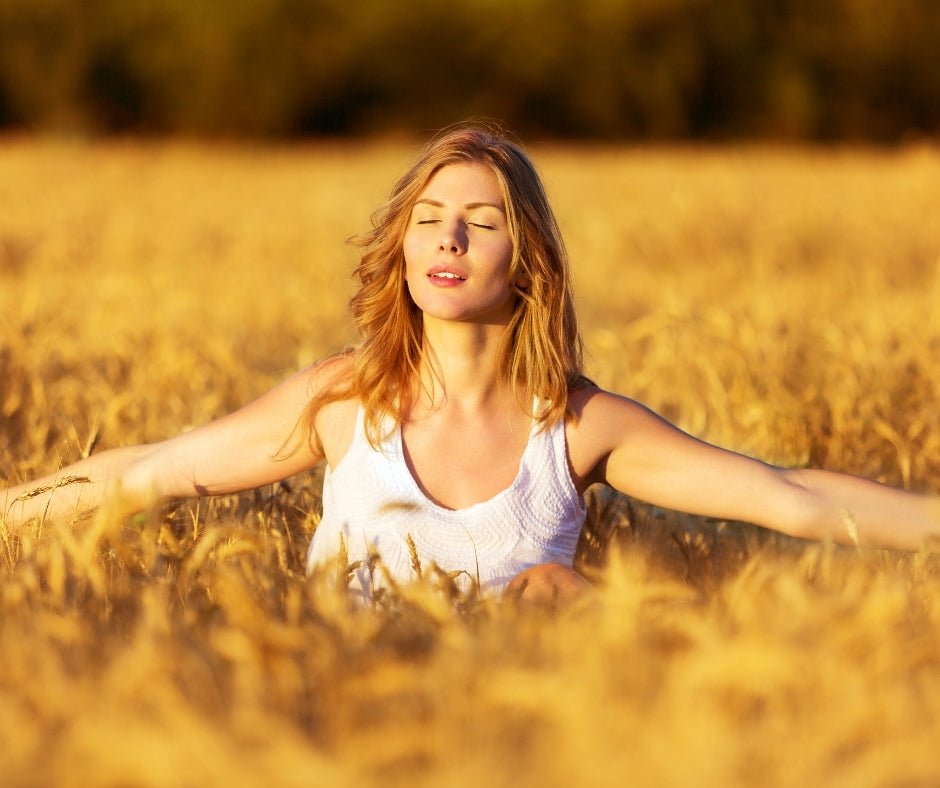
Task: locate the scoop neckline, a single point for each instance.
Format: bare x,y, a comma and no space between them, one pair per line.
400,448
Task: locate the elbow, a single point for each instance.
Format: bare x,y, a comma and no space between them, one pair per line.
138,485
806,513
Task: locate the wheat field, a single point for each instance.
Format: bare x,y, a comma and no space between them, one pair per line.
780,302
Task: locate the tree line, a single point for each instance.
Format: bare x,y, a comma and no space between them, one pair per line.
610,69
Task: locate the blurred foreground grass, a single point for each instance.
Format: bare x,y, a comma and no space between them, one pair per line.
781,303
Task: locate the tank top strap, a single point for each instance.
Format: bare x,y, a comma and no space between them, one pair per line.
360,432
357,447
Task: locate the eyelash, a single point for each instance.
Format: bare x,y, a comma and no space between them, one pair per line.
472,224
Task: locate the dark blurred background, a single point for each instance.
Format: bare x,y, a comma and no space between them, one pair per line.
815,70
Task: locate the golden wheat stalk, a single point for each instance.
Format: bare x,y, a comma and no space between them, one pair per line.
65,481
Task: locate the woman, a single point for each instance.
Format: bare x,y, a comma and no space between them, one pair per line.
461,428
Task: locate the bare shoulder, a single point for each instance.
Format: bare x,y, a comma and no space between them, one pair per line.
312,382
597,410
328,371
602,421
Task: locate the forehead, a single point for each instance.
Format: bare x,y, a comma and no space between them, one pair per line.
463,182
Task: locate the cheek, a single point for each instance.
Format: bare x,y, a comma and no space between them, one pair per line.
503,253
410,253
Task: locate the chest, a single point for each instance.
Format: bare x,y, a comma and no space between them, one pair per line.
459,462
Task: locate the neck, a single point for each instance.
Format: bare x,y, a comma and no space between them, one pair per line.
460,364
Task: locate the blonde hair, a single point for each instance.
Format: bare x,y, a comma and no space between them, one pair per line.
542,350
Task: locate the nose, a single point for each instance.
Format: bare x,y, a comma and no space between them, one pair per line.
453,240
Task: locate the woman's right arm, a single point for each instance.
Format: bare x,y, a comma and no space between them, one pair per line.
242,450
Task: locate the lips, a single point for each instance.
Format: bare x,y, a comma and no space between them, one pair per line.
446,275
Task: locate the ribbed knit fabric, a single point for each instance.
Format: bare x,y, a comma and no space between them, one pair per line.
372,502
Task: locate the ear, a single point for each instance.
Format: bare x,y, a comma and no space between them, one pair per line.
523,281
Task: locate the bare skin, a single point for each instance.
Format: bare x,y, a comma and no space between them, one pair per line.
547,584
461,230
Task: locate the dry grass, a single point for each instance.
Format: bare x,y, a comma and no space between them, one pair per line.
782,303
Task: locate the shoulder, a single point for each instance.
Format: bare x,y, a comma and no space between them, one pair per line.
591,407
330,371
317,379
600,422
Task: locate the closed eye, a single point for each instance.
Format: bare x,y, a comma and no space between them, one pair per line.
428,221
482,226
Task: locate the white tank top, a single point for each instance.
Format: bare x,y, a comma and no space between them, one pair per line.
372,503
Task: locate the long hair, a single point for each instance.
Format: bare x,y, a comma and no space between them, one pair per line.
541,355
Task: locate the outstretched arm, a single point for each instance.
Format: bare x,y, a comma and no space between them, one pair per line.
236,452
72,491
644,456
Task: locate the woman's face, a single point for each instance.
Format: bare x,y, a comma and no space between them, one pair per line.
457,247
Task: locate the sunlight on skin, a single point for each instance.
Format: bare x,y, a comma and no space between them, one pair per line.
190,642
547,583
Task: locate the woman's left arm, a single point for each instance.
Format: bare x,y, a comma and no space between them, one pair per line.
627,446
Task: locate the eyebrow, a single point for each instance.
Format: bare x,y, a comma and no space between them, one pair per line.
469,206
